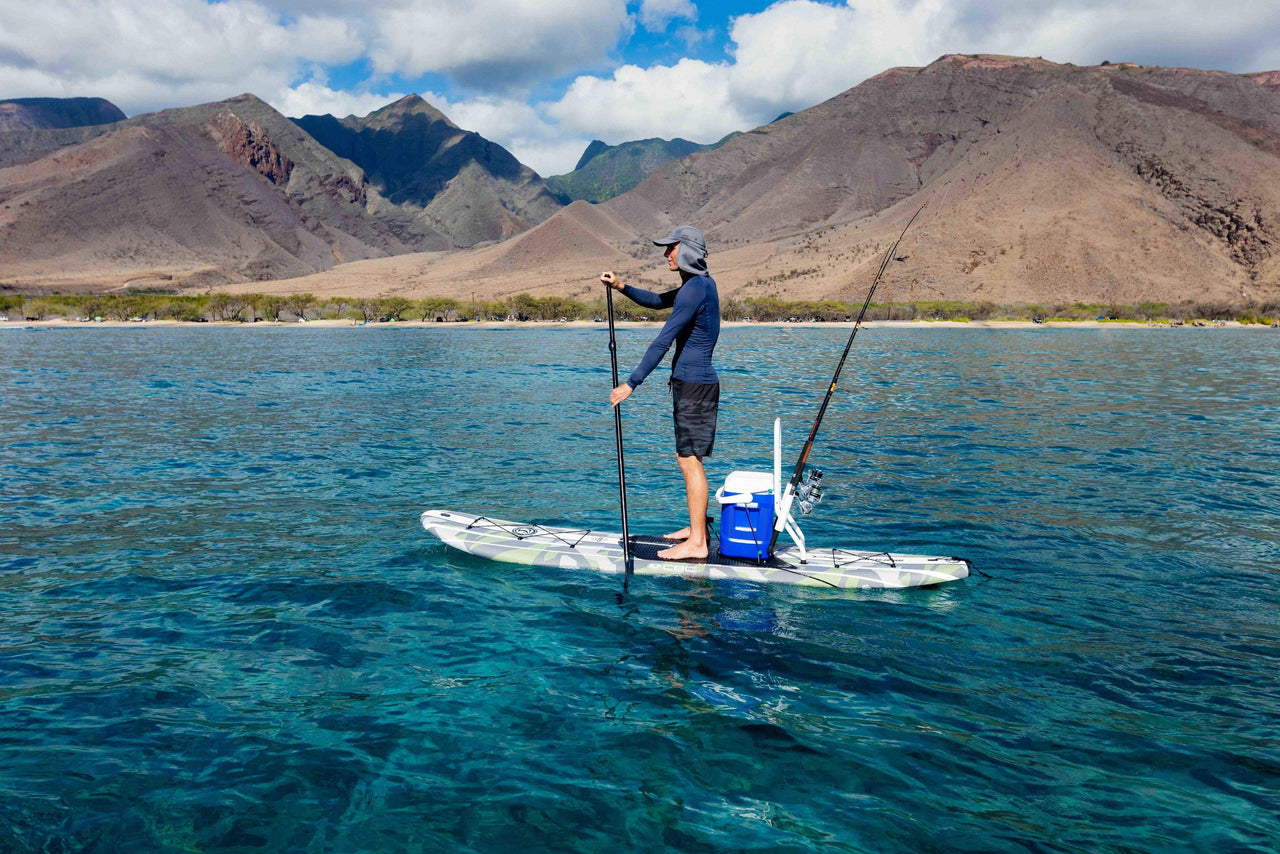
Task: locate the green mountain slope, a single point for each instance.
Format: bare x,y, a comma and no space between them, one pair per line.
605,171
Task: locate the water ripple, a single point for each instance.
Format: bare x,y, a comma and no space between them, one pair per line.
221,628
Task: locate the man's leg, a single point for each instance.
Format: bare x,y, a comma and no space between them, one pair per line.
696,491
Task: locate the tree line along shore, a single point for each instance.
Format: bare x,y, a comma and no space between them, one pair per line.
248,308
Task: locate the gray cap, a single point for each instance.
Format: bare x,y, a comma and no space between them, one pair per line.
692,254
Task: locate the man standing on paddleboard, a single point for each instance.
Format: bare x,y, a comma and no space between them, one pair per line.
694,327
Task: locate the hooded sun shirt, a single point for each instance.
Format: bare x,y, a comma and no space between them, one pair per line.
694,325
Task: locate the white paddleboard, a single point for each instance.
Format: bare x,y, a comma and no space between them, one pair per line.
570,548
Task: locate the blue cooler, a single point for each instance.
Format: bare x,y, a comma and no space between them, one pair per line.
746,515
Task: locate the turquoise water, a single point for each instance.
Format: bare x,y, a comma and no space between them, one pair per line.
221,628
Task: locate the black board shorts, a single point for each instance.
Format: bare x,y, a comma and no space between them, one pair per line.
694,407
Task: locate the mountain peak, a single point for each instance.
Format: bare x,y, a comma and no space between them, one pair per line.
597,146
994,60
410,105
246,98
468,187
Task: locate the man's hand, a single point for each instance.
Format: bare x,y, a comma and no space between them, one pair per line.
620,394
610,279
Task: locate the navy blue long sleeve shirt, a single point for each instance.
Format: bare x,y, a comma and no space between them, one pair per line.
694,327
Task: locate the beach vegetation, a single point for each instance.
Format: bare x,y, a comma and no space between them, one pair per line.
394,307
368,310
527,307
268,306
228,307
95,307
299,304
733,310
38,309
121,309
436,308
186,309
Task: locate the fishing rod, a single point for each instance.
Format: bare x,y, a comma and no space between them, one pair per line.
617,431
798,474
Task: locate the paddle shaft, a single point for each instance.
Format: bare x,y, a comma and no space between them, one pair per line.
617,431
798,473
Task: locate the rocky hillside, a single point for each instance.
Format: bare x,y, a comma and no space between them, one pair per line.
460,183
234,191
1043,183
605,171
220,192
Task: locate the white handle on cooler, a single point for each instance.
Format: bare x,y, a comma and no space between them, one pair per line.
745,500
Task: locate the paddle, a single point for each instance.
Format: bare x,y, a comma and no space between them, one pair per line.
617,431
813,433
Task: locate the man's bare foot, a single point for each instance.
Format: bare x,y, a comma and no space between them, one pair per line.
683,551
682,534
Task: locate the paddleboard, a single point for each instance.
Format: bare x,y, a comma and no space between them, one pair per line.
572,548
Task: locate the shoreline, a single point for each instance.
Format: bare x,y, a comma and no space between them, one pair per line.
63,323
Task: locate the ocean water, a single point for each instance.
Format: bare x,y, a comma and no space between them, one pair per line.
222,628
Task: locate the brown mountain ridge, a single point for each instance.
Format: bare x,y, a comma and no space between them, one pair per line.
1043,182
233,191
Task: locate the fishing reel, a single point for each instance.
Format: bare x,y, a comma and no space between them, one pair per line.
809,492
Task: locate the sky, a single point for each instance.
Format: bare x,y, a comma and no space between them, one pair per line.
545,77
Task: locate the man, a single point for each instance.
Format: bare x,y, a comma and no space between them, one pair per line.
694,327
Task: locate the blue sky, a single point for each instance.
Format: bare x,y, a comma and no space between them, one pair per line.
675,31
545,78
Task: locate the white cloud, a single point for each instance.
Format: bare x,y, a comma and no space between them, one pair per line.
548,157
656,14
799,52
498,44
791,55
690,99
316,99
146,56
1154,32
491,116
692,36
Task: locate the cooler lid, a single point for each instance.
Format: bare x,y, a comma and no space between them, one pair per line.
755,482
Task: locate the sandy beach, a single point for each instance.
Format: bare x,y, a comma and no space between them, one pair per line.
63,323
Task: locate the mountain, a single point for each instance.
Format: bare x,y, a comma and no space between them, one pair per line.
462,184
234,191
1043,183
39,113
220,192
596,146
605,171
